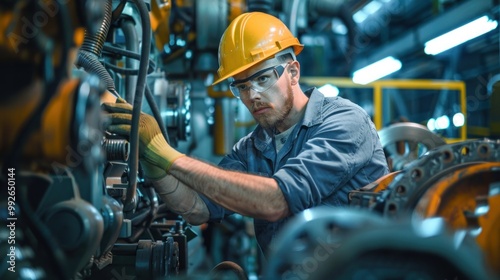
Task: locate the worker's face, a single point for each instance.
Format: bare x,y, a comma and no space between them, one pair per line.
271,106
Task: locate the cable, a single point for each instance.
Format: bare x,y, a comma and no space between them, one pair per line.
156,113
124,71
131,44
127,53
90,63
91,50
136,112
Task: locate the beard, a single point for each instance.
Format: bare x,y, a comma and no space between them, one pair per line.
270,122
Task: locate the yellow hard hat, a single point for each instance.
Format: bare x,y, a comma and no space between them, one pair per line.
252,38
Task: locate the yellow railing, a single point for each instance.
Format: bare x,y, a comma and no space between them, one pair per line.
378,86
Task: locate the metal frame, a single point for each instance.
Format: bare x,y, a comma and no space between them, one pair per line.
378,86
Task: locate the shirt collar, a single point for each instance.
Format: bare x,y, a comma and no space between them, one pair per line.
312,116
314,108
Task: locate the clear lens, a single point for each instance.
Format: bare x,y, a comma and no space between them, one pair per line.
259,82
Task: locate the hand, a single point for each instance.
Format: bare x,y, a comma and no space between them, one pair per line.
155,153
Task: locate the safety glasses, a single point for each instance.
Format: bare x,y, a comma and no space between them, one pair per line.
259,82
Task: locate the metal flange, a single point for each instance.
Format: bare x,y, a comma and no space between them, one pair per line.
404,192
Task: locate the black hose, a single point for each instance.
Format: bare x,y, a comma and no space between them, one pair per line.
129,54
137,107
93,43
156,113
91,50
91,64
132,44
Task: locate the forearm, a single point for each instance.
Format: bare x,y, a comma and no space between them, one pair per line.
249,195
182,200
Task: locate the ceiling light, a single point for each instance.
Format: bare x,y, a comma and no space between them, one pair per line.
338,27
372,7
460,35
442,122
360,16
369,9
458,119
431,124
376,70
329,90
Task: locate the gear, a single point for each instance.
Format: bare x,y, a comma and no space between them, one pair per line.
407,189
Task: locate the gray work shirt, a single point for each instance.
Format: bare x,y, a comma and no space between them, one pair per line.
334,149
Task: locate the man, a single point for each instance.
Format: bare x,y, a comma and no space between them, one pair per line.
307,150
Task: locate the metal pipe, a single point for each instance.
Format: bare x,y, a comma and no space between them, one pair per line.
132,44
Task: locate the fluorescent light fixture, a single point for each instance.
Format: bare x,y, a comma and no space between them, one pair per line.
376,70
460,35
338,27
442,122
431,124
329,90
369,9
458,119
372,7
360,16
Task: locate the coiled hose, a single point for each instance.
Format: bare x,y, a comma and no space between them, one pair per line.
91,50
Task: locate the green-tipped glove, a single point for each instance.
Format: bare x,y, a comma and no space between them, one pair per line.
155,153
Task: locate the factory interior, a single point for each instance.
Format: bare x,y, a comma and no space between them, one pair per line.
75,203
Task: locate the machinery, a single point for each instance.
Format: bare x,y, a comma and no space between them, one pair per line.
78,207
392,227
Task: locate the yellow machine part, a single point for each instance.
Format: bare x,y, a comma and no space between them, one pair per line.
159,16
369,192
468,198
379,86
52,140
236,8
382,183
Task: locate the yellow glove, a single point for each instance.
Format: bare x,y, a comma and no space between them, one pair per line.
155,153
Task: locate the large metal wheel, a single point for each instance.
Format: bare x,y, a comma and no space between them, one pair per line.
404,249
311,237
406,142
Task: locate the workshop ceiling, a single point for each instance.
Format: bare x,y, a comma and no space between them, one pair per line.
400,28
